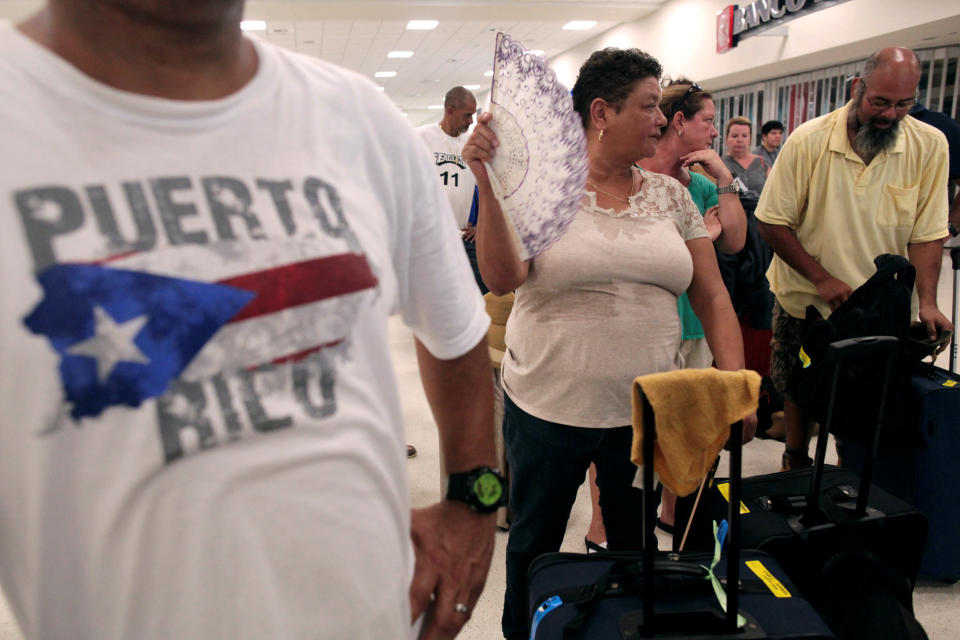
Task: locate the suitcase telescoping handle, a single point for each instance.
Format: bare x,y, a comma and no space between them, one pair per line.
650,519
955,260
841,354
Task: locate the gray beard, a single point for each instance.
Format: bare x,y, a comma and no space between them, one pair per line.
872,140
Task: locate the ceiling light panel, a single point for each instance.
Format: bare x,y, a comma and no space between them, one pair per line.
385,74
422,25
459,50
579,25
253,25
400,54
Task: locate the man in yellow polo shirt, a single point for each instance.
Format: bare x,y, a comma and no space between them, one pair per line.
848,186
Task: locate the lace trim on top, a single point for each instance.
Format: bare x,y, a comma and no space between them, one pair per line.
632,210
658,197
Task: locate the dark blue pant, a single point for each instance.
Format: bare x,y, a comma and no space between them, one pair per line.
548,462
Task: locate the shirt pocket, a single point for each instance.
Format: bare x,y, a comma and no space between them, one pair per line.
899,206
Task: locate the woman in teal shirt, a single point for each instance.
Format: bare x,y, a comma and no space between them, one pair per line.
684,147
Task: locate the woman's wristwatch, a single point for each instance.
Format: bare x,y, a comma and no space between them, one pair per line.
733,187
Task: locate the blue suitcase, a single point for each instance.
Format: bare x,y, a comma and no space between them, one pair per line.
926,472
642,594
599,596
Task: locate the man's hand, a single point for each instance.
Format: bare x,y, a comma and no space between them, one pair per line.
935,322
833,291
469,233
711,218
453,547
480,147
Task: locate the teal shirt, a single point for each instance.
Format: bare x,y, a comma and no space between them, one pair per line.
704,194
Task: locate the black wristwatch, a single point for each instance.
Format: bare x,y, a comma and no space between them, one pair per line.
483,489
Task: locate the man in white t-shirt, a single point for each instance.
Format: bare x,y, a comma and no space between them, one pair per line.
201,432
444,141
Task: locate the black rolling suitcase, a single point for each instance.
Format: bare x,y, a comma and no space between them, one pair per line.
644,594
828,526
923,470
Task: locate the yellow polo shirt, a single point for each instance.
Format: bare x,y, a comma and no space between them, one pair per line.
844,212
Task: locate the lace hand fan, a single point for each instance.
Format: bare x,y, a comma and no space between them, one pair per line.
539,171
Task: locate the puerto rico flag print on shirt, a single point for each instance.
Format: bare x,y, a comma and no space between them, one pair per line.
141,325
123,336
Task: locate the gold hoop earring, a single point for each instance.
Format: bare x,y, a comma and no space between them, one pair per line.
600,138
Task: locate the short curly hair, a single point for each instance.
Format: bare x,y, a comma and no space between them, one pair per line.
610,74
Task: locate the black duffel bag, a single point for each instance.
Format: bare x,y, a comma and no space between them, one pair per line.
879,307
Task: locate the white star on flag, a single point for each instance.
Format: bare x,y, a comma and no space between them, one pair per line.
111,343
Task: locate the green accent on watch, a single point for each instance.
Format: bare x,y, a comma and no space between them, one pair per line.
488,488
483,489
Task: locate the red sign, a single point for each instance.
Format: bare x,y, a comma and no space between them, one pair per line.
725,36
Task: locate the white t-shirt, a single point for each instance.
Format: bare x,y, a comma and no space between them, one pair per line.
446,154
201,432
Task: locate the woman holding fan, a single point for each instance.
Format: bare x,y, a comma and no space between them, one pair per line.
592,312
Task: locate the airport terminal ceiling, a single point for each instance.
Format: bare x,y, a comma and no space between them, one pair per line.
415,67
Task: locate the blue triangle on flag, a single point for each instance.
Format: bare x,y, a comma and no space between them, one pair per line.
173,319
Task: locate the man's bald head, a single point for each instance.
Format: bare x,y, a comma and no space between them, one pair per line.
458,97
882,97
459,106
893,60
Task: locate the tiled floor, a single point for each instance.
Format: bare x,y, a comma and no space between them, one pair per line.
936,604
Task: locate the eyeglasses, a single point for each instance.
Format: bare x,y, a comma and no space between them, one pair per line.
675,107
882,104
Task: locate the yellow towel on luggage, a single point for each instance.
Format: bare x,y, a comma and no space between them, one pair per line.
694,409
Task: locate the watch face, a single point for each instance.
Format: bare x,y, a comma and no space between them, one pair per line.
488,489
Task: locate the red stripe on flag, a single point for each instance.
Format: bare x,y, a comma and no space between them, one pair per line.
302,283
113,258
301,355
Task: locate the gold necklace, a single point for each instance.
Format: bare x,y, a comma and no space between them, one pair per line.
607,193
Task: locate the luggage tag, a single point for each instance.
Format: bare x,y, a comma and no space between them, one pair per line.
722,532
545,607
719,592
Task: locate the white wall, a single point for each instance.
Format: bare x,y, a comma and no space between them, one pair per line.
682,36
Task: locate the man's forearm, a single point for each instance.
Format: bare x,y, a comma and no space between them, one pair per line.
926,258
460,393
785,244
